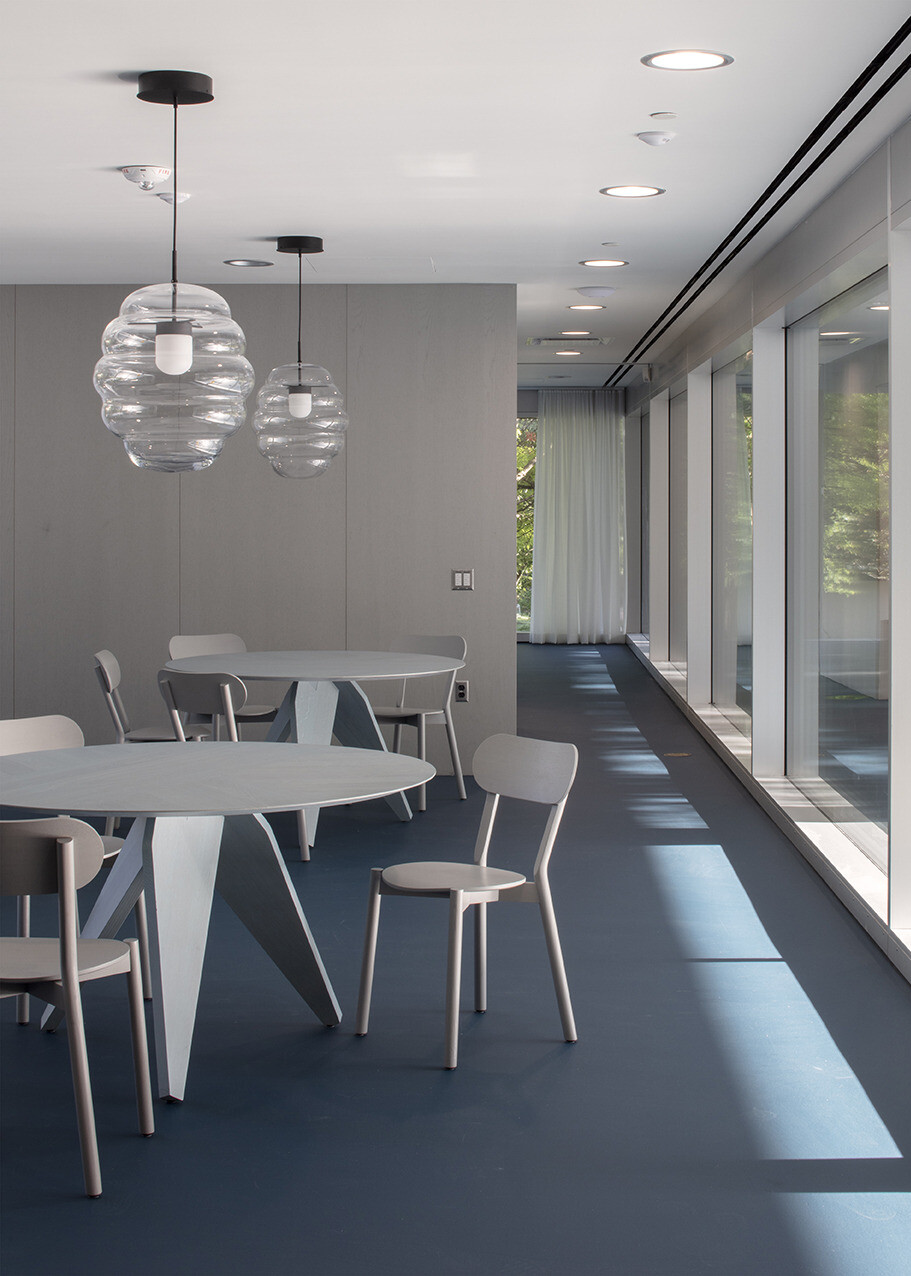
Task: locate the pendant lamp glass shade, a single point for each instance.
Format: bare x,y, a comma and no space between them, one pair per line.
172,374
299,446
173,397
300,419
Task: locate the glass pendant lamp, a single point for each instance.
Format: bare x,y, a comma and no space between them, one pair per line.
300,421
172,377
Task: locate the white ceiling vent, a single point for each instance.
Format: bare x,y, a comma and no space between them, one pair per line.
563,341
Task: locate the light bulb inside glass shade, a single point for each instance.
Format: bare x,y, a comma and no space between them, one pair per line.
300,401
299,447
168,423
173,347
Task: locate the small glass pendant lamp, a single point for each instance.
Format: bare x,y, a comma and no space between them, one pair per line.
172,377
300,421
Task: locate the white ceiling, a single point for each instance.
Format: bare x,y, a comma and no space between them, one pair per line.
425,141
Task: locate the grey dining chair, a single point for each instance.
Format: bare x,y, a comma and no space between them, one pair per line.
183,645
211,695
107,670
53,731
57,856
400,715
540,771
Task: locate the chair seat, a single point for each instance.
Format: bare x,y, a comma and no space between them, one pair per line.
112,846
25,961
250,712
150,735
431,876
391,713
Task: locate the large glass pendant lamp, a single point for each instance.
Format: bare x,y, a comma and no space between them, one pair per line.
172,377
300,421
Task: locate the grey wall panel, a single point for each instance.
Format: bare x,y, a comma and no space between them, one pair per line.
900,159
106,555
7,498
431,481
262,555
96,539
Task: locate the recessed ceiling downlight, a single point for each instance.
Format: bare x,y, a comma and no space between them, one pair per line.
567,354
632,192
686,60
246,261
581,307
880,306
604,261
575,332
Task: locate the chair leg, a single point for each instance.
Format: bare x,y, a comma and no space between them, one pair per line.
454,977
422,754
140,1042
145,959
454,752
480,957
82,1088
555,953
397,738
23,929
369,959
303,836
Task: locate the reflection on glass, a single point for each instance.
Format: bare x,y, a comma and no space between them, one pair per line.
677,533
644,515
732,541
839,568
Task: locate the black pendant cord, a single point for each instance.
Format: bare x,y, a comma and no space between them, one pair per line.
300,310
174,217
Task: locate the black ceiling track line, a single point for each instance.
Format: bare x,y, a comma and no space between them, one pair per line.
856,119
840,106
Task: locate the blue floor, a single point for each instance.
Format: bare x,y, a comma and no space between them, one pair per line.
737,1102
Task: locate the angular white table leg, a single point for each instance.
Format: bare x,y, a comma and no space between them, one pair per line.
356,727
116,900
180,863
253,881
280,726
312,707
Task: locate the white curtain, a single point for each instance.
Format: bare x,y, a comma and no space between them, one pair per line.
578,583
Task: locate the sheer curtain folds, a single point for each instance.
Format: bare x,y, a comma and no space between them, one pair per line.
578,592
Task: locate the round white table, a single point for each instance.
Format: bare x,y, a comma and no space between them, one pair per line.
198,826
324,698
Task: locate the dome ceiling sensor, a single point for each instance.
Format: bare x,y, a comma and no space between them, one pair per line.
656,137
596,291
146,176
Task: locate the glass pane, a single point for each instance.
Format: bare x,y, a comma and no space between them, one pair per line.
732,541
839,561
677,532
644,509
526,445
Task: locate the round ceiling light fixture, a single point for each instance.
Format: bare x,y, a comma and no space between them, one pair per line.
632,192
567,354
246,261
603,261
580,307
575,332
686,60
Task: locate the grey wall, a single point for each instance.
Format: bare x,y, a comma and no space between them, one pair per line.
100,554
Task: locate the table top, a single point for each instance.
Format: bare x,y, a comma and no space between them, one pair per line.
205,778
319,666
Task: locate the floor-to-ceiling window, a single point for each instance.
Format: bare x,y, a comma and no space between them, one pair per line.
732,541
677,547
526,452
838,598
644,521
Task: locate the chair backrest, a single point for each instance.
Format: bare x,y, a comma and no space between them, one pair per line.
183,645
33,735
107,670
532,770
452,646
209,694
28,854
